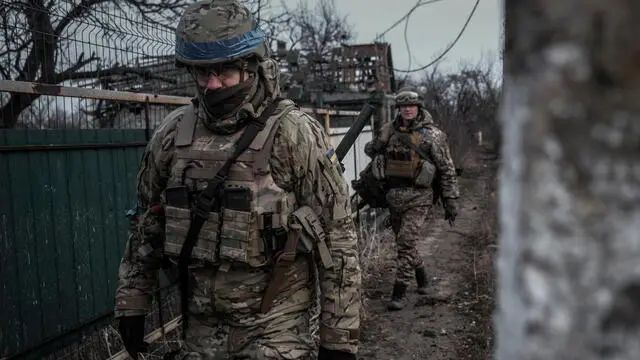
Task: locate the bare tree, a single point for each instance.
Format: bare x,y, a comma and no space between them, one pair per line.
570,182
317,31
314,36
462,103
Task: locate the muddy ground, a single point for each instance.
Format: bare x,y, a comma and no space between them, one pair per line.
454,321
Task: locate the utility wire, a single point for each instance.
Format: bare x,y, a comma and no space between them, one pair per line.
406,35
449,47
399,21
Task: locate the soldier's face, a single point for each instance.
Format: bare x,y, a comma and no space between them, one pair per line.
409,112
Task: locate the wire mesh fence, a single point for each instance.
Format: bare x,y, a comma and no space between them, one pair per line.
113,45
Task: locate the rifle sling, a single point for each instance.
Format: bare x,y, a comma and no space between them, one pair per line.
206,200
415,148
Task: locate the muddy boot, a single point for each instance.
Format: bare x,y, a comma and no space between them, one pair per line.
421,279
397,298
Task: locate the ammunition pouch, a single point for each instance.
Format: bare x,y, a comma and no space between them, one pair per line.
402,168
312,236
425,175
177,221
239,237
176,227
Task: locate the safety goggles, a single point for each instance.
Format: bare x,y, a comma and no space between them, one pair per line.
222,71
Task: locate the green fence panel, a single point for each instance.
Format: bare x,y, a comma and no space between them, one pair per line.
63,196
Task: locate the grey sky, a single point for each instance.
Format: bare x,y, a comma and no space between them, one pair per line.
431,28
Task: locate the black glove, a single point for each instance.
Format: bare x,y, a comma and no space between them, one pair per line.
131,330
373,148
326,354
450,209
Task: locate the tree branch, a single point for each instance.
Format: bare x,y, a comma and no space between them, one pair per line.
77,12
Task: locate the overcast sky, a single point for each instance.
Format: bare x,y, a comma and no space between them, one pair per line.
431,28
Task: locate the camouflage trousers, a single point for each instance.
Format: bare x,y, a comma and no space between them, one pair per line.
409,227
224,321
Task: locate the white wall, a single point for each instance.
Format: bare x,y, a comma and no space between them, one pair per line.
355,160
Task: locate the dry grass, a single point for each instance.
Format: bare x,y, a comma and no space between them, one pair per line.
105,342
377,251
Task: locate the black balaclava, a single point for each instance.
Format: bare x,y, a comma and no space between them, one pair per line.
224,101
223,107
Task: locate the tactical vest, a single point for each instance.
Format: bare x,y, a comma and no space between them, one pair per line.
400,160
250,205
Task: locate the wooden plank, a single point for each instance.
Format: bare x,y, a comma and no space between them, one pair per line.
87,93
67,91
152,337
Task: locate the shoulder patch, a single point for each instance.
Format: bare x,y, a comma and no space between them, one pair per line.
333,157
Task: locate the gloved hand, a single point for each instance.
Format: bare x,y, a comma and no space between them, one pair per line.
373,148
450,209
131,330
326,354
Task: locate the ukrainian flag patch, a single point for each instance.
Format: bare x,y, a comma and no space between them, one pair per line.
331,154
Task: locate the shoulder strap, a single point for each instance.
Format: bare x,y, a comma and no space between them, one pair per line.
405,140
186,127
264,154
207,199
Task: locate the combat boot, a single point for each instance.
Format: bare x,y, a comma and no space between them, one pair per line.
397,298
421,279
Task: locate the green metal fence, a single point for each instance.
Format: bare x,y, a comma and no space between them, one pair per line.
63,195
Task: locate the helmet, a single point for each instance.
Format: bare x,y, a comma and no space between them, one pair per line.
407,97
214,31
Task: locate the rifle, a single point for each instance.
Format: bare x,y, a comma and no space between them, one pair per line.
354,130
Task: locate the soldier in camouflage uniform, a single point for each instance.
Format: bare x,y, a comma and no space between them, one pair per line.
409,178
283,206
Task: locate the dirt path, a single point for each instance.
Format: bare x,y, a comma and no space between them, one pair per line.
450,323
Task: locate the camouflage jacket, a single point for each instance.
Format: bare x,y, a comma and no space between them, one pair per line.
433,142
300,152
